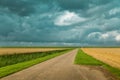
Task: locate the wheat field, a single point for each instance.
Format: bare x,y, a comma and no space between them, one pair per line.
25,50
110,56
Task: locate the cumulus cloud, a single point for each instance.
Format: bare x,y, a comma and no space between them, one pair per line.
118,38
112,36
83,22
114,11
68,18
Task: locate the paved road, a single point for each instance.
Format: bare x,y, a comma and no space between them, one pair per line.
59,68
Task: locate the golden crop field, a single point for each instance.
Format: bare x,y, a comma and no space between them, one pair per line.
25,50
110,56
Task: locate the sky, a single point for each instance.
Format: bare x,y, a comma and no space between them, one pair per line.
60,22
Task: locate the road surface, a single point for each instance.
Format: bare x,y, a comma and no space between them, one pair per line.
58,68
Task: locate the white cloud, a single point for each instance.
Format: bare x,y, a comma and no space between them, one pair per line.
94,35
118,38
108,36
114,11
104,36
68,18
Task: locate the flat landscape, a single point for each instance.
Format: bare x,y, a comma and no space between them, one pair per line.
64,64
59,68
25,50
59,39
109,56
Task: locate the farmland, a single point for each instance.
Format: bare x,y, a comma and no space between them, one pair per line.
91,58
96,57
25,50
10,59
59,68
109,56
16,61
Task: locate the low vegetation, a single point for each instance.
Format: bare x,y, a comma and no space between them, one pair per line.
7,70
11,59
85,59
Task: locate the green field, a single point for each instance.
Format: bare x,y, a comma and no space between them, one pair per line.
84,59
16,62
11,59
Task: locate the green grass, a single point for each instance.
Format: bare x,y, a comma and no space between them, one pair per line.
11,59
7,70
84,59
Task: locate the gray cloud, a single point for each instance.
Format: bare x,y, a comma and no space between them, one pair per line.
65,22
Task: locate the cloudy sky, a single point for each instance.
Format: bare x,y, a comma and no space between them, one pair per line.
60,22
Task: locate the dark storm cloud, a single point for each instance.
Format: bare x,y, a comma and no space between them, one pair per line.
65,22
20,7
26,7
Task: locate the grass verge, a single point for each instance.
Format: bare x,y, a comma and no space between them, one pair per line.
4,71
84,59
